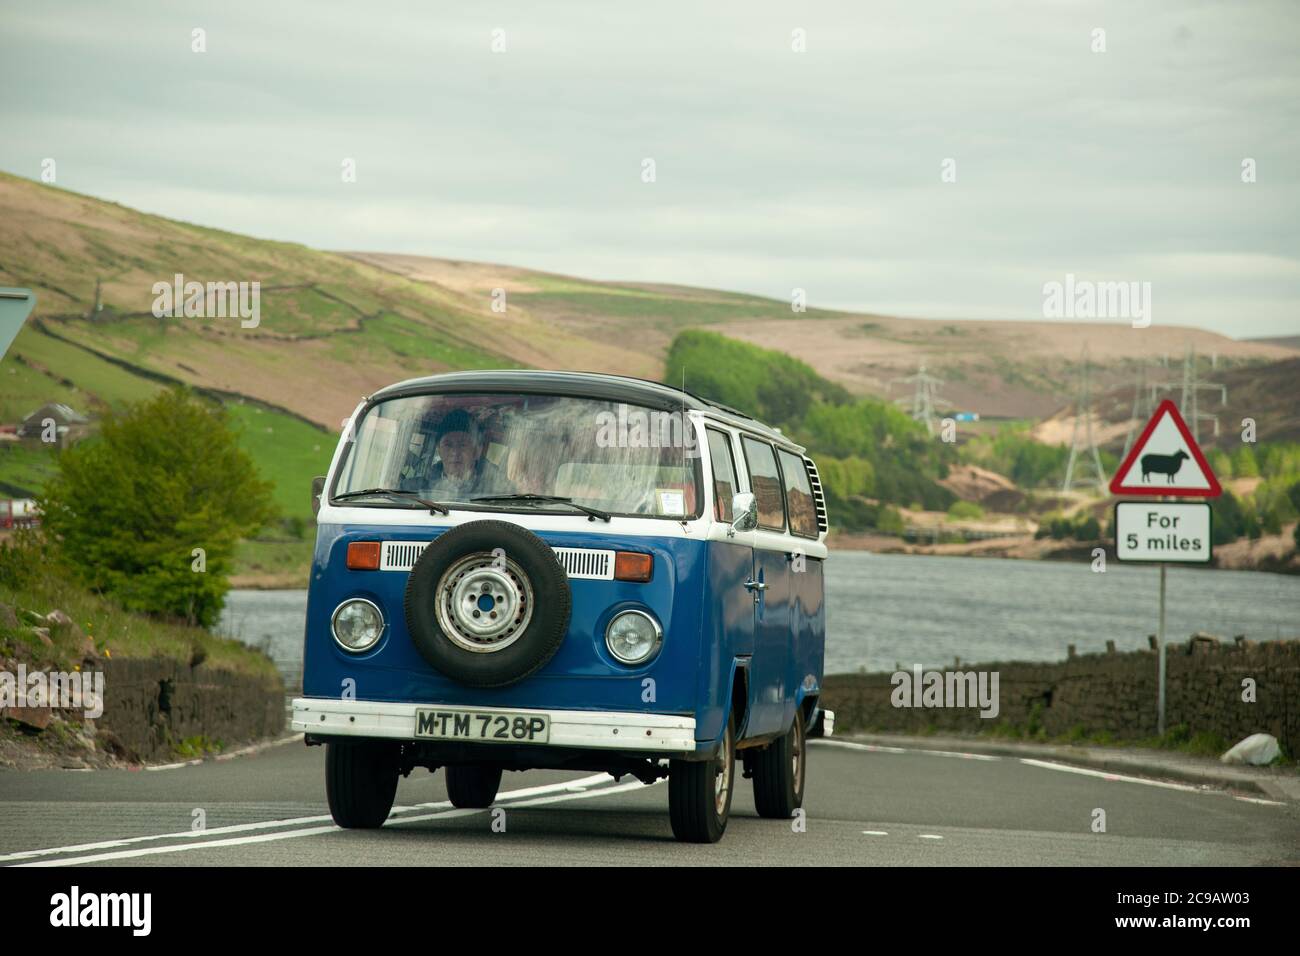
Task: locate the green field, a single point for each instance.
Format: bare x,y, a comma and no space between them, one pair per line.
288,452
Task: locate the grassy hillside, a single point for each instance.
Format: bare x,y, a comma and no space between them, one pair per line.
336,326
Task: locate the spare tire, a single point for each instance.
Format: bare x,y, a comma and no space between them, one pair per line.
487,603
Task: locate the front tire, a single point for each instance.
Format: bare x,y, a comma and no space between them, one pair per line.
779,772
360,782
472,786
699,793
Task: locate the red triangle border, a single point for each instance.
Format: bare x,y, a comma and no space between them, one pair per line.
1159,491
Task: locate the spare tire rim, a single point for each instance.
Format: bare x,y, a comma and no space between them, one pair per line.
484,602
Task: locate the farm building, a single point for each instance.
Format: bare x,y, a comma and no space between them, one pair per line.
68,423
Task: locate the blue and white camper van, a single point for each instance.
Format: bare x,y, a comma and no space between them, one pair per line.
521,569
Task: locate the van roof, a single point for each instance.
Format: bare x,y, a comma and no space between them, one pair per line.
615,388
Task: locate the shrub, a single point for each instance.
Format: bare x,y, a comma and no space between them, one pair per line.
127,509
963,510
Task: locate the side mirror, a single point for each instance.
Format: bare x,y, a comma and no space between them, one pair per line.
744,512
317,489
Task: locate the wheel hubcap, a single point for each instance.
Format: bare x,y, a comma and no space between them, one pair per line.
484,602
797,755
722,782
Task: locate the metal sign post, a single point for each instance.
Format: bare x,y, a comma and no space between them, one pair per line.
1160,649
1165,463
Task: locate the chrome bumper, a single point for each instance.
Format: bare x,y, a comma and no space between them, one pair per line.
591,729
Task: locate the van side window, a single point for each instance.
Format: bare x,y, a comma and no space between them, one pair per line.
799,496
724,474
765,481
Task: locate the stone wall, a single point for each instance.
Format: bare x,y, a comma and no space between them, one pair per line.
150,704
1112,692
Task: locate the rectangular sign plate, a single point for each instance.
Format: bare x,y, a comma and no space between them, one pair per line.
496,727
1163,531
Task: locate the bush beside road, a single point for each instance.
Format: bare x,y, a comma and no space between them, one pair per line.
104,651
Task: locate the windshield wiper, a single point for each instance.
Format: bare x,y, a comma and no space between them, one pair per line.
433,506
591,513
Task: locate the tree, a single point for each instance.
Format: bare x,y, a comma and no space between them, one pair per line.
1228,518
150,511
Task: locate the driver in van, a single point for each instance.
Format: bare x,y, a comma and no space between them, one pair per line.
462,470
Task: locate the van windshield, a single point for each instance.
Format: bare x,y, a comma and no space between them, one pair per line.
619,458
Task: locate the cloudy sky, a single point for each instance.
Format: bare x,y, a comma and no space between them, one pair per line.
774,169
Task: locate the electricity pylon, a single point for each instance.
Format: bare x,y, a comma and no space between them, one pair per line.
1088,445
1189,401
1143,405
924,399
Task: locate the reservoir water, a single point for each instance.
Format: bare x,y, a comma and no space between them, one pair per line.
885,609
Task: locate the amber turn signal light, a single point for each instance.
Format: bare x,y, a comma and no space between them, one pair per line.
632,566
363,555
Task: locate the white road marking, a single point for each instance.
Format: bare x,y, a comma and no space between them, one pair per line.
564,797
231,755
580,784
173,766
1066,768
877,748
847,745
875,833
258,748
313,831
928,836
1125,778
1261,800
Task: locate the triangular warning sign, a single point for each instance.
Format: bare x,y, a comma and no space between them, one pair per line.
1165,460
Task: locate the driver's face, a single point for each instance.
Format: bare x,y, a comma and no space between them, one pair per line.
458,453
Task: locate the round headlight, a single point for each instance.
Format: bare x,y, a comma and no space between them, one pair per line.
633,636
357,624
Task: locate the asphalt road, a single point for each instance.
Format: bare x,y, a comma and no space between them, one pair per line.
865,806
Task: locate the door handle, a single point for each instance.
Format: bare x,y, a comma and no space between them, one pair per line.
756,585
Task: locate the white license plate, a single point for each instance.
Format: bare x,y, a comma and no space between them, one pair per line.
445,723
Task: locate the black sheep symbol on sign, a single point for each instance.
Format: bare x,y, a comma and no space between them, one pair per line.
1167,465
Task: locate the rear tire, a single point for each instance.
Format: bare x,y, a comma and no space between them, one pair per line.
699,793
779,772
361,782
472,786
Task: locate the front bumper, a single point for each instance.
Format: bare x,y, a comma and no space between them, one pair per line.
583,729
